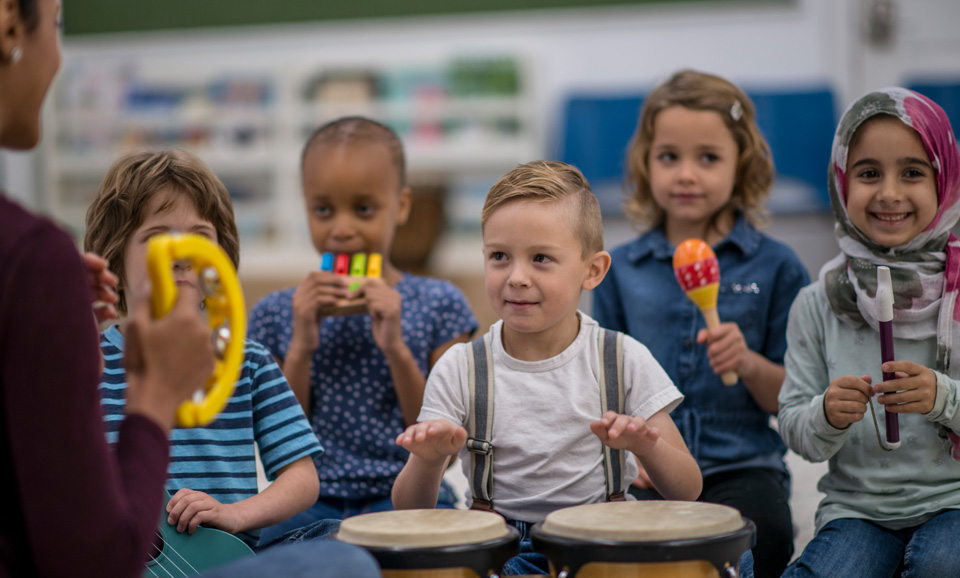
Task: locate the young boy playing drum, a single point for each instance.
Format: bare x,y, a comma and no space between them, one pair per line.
547,372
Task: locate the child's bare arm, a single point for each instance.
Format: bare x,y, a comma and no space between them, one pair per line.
320,289
660,448
385,305
431,444
294,490
728,351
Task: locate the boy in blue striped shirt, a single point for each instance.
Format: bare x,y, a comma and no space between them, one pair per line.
212,473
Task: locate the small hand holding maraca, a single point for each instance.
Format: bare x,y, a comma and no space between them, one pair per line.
726,348
698,273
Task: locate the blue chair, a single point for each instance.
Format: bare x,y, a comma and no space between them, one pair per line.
799,125
596,132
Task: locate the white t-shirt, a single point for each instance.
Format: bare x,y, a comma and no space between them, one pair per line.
545,456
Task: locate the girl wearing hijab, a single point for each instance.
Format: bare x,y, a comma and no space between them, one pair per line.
894,184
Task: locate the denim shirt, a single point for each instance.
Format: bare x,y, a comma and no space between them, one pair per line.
723,426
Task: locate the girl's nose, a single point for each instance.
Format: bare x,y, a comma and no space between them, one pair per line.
343,229
686,172
889,191
182,265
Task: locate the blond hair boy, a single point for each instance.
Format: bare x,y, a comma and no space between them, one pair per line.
542,246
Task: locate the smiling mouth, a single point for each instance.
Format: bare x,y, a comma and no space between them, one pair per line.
891,217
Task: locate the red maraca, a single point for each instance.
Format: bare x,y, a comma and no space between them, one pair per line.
698,273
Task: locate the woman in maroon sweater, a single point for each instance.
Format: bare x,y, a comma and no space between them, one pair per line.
71,507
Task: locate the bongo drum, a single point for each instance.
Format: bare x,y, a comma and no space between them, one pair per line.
434,543
653,539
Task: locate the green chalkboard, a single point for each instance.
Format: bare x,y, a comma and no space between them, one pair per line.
83,17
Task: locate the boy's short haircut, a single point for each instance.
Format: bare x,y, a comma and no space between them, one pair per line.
552,181
353,129
701,91
131,182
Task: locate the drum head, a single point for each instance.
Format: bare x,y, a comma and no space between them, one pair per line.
434,539
643,521
422,528
643,532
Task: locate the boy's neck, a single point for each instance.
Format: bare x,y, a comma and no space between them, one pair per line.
541,345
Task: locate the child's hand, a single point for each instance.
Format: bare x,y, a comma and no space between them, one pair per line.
384,303
187,509
916,386
433,440
622,432
320,290
726,348
846,399
103,287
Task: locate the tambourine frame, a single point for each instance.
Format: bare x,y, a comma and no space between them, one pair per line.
481,557
573,553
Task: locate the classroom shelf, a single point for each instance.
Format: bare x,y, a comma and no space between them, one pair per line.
458,118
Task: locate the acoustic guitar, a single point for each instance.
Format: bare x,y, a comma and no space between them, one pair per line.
178,554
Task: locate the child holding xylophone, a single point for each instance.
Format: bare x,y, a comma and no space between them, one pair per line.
212,473
700,169
360,378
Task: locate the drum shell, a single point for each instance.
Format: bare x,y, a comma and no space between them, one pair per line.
689,557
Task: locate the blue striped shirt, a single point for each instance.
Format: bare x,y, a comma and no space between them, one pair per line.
219,459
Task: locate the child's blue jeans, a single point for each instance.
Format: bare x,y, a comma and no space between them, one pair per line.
852,547
338,509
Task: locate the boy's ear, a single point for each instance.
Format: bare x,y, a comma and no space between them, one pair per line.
597,266
11,29
406,200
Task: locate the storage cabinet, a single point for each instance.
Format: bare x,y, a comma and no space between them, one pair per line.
461,119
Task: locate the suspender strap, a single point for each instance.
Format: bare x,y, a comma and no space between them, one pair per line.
612,399
480,422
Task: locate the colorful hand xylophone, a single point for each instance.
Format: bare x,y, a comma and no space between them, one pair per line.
225,311
698,273
357,267
885,323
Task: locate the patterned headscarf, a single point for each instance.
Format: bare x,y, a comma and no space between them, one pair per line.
925,269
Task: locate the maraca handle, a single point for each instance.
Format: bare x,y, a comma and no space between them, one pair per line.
713,320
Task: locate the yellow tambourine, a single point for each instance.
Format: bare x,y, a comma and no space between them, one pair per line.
225,309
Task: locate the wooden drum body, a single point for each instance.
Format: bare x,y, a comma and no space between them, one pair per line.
650,539
434,543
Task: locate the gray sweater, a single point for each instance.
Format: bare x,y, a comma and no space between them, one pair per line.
896,489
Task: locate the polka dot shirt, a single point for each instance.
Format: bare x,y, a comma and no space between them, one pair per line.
354,408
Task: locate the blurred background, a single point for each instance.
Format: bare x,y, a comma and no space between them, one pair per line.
473,88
